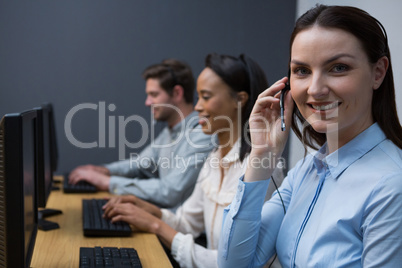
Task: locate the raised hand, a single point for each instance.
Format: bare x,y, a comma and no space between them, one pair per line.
267,138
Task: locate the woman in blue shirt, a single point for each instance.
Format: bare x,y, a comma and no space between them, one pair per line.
342,205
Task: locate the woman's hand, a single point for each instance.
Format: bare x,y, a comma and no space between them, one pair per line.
267,138
150,208
143,221
134,215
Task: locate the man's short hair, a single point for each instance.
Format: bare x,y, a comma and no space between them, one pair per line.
172,72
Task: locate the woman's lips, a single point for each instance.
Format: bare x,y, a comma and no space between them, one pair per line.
203,120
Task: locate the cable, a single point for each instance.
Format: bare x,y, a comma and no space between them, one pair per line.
272,261
284,210
276,187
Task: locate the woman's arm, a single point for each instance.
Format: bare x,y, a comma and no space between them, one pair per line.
382,224
249,231
189,218
188,254
143,221
250,226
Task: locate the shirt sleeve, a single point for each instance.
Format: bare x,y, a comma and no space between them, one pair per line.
382,227
177,184
250,226
166,191
188,254
141,165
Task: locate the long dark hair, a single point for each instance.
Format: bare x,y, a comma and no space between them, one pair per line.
373,37
240,74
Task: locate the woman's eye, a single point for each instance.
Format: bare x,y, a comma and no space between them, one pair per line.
339,68
301,71
204,97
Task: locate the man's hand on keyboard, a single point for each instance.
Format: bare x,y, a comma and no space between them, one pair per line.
100,169
94,176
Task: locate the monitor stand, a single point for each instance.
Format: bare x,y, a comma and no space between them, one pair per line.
44,224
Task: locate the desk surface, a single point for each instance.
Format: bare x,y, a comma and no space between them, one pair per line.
60,248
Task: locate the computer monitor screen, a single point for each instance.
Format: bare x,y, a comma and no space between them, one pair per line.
44,150
54,152
18,204
44,160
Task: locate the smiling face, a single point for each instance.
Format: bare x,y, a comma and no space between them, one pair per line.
216,106
332,82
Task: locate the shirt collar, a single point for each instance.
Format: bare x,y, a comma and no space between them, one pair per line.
232,156
342,158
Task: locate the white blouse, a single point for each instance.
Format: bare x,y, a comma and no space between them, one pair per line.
203,210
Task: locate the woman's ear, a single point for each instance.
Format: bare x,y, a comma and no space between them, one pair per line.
380,70
242,97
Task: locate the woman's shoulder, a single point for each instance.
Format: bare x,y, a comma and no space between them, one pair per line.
388,159
383,160
380,169
390,153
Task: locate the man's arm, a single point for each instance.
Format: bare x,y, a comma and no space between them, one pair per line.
172,174
99,176
166,191
142,165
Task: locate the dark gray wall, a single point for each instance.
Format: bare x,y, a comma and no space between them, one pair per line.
71,52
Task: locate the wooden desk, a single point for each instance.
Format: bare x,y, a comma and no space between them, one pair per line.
60,248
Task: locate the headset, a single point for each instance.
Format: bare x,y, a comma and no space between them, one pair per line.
283,127
282,102
282,105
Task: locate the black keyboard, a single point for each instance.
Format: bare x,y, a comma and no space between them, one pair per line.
80,187
109,257
95,225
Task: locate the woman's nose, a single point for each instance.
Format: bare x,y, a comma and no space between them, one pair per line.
318,86
198,106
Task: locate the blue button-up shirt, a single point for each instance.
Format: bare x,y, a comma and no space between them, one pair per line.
342,210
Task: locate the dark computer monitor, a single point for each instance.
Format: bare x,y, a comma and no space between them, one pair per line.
18,204
44,169
54,153
44,149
